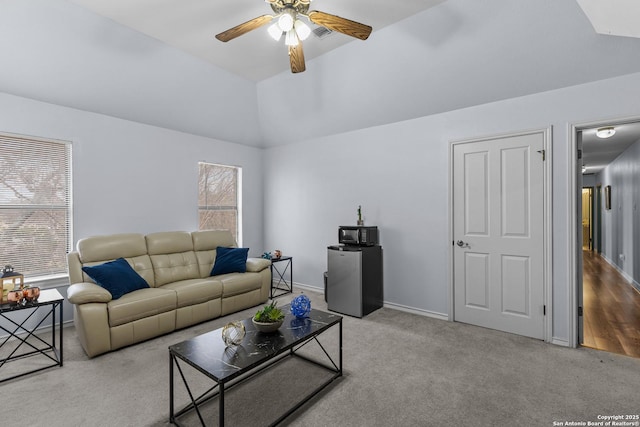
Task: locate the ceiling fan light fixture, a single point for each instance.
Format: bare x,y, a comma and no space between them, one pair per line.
285,22
291,39
606,132
302,29
275,32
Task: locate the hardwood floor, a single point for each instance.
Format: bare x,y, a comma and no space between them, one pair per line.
611,308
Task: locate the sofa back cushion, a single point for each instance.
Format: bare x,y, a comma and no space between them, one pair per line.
172,256
100,249
205,243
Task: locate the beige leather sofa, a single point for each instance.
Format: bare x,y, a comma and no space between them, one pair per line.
176,265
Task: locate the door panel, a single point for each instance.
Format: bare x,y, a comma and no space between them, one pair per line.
515,296
498,223
515,189
477,280
476,186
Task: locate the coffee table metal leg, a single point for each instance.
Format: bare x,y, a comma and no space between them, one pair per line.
171,418
221,410
340,347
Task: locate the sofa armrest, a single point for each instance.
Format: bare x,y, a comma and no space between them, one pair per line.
256,265
84,292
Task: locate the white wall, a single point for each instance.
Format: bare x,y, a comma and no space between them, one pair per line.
621,223
399,174
131,177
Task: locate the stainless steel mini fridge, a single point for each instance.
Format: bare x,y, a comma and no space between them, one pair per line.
354,279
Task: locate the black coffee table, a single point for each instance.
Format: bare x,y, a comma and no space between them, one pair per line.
228,367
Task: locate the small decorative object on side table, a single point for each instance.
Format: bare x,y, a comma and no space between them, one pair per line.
279,281
10,281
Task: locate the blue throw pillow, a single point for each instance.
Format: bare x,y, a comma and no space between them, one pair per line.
117,277
230,260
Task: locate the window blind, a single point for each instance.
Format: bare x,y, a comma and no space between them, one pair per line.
218,197
35,205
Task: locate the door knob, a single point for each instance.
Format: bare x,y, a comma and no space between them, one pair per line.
462,244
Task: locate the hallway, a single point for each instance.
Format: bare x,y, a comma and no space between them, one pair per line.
611,308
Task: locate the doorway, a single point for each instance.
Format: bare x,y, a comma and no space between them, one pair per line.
500,213
607,304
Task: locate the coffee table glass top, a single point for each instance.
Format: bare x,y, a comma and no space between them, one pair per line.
209,354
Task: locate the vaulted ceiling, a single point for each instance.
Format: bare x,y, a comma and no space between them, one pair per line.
157,62
190,25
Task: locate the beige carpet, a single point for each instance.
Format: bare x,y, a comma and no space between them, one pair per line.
399,370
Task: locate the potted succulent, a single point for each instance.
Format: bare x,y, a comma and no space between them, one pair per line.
269,318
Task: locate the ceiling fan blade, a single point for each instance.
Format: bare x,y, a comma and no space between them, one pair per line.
241,29
341,25
296,58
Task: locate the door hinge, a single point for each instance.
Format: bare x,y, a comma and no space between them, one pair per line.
544,310
579,154
579,311
544,154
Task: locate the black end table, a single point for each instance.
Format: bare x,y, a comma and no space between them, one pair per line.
282,286
26,323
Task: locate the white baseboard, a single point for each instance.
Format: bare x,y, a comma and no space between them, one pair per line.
626,276
561,342
418,311
387,304
308,288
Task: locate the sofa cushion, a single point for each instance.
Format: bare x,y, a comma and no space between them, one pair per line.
235,284
117,277
206,240
256,265
230,260
105,248
205,243
170,268
168,242
195,291
140,304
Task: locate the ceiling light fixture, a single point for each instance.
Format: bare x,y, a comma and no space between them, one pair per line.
275,31
291,39
302,29
605,132
285,22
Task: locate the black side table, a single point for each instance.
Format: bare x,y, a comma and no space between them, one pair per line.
48,301
282,284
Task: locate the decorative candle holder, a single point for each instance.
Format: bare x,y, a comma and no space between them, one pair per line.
15,296
233,333
31,293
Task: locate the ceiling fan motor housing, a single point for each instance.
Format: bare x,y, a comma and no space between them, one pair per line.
296,6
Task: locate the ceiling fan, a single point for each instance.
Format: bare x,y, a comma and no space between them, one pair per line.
287,23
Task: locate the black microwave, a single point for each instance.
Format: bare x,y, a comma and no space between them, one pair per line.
358,235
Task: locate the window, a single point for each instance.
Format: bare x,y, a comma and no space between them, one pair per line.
35,205
219,198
